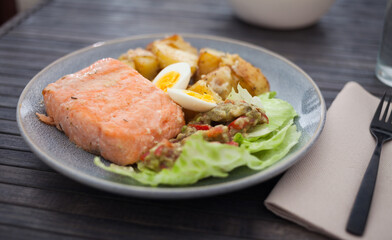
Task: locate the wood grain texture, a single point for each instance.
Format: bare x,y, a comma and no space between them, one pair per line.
10,232
36,202
7,113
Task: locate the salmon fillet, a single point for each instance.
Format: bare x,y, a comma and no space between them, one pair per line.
110,109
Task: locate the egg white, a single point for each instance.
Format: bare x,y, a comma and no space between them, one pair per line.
189,102
183,68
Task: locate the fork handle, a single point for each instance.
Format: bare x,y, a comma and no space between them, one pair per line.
359,212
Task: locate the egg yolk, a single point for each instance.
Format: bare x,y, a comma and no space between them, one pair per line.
168,80
204,97
201,90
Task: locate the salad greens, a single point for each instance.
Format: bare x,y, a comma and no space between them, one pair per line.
261,147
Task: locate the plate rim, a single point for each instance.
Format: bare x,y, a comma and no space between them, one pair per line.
171,192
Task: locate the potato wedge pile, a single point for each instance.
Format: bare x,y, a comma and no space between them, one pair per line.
214,71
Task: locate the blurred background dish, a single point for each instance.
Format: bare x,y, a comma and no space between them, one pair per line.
281,14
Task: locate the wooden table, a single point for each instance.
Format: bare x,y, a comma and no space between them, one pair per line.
38,203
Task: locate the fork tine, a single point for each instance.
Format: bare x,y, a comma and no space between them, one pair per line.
384,116
377,114
390,115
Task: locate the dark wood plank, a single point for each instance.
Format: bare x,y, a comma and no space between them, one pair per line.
197,212
39,42
10,232
96,228
7,113
13,142
9,127
41,178
195,220
14,81
52,181
24,72
8,101
22,159
20,58
7,90
42,50
41,33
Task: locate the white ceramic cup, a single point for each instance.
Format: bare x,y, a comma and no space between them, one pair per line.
281,14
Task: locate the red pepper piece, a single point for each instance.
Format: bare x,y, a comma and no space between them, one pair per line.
234,124
200,126
214,132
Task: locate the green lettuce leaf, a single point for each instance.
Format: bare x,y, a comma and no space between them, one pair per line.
267,158
199,159
278,112
267,142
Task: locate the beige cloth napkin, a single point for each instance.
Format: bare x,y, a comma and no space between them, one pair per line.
319,191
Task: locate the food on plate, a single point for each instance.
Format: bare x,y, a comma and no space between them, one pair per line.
249,76
144,61
174,49
221,81
232,118
192,100
110,109
198,98
174,76
202,87
209,60
206,148
223,71
176,41
228,118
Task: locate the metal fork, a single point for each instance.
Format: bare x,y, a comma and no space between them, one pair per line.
381,129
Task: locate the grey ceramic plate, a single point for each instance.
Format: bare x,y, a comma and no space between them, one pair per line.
53,147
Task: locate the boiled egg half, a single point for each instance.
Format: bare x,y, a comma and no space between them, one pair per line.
174,76
192,100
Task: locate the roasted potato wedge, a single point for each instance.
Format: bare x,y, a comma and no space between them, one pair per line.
168,55
221,81
209,60
177,42
174,49
129,61
147,66
145,62
250,77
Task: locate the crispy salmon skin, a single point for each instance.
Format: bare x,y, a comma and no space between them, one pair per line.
110,109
